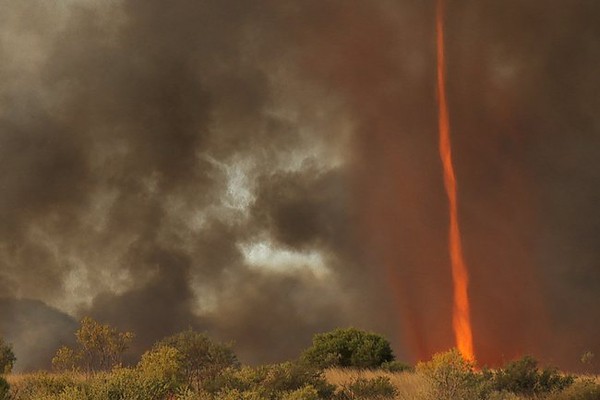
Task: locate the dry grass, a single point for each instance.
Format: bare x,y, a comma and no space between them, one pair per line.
19,378
410,386
16,379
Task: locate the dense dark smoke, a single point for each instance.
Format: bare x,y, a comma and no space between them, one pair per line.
155,159
267,170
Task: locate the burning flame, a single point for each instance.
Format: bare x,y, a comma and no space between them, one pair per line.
461,316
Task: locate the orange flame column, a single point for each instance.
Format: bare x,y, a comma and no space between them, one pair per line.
461,315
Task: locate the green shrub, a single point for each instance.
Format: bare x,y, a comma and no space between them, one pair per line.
163,364
44,385
524,377
451,377
76,393
271,381
119,384
99,348
235,394
133,384
585,389
304,393
348,348
396,366
201,358
4,389
66,359
7,357
189,394
378,388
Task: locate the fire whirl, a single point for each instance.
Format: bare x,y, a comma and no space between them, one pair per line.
461,318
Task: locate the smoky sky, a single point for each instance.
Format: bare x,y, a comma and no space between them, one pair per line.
267,170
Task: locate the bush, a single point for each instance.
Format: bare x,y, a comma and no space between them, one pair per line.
7,357
4,389
305,393
124,384
395,366
348,348
585,389
120,383
189,394
451,377
45,386
524,377
272,381
235,394
99,348
75,393
378,388
65,359
164,364
201,358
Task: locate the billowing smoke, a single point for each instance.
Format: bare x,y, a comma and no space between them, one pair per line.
267,170
163,167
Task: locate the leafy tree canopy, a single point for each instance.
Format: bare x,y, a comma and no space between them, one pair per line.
99,347
348,347
201,357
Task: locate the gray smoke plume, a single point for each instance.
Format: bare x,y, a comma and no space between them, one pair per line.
156,159
268,170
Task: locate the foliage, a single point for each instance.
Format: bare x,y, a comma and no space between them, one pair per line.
378,388
101,345
7,357
585,389
164,364
201,358
348,348
99,348
43,385
524,377
188,394
272,381
65,359
307,392
4,389
128,384
395,366
235,394
451,377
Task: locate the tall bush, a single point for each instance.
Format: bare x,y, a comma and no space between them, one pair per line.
585,389
348,348
99,348
4,389
272,382
451,377
7,357
201,358
163,364
524,377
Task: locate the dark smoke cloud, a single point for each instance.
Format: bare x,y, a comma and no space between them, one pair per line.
148,150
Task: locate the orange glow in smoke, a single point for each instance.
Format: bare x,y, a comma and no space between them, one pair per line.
461,316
